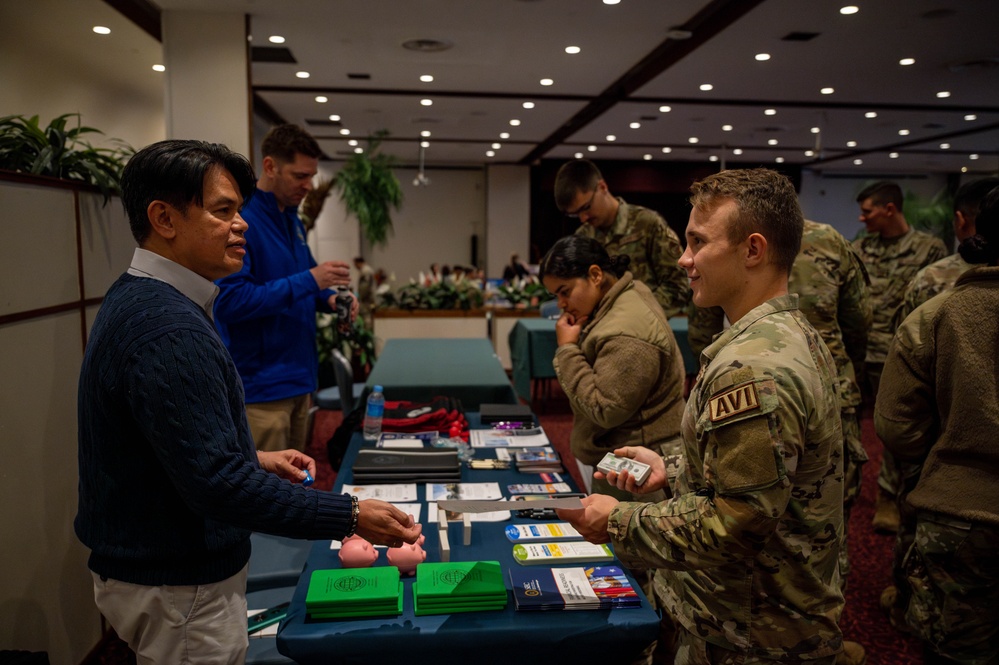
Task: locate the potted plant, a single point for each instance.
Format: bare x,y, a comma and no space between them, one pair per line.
935,216
59,151
369,189
437,295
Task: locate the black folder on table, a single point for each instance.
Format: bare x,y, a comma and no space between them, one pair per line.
406,466
496,413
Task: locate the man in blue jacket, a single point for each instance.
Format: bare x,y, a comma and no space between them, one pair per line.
266,312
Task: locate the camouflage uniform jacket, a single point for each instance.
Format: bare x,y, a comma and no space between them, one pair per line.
747,549
928,282
624,379
654,249
939,399
891,264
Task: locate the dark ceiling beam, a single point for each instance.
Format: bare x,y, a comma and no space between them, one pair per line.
142,13
712,19
266,111
468,94
902,144
821,105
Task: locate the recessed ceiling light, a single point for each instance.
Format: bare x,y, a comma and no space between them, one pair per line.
591,148
905,62
578,155
809,153
871,114
973,156
858,161
528,105
345,132
302,75
706,86
815,130
713,158
769,111
496,146
515,122
851,144
504,135
611,137
635,125
964,169
427,78
358,150
945,146
849,9
335,118
692,139
779,160
762,56
827,91
893,155
352,142
424,144
101,30
726,128
276,39
772,142
490,153
322,100
572,50
903,132
426,102
611,2
737,151
546,82
646,156
159,68
425,133
943,94
971,116
667,150
665,109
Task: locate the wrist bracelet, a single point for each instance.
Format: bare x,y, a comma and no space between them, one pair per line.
355,513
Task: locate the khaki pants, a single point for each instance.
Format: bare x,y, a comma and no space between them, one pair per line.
186,625
280,424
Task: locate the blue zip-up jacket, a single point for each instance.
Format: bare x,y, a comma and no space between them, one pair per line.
266,313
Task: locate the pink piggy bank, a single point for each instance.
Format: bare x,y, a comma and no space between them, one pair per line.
356,552
406,558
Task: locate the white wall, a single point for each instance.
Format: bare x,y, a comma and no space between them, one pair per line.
508,216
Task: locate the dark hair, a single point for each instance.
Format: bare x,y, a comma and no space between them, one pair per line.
983,247
284,141
766,203
968,199
881,193
579,175
573,255
174,171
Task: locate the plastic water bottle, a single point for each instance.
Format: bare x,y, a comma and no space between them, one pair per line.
373,415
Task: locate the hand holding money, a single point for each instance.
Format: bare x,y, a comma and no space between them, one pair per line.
633,469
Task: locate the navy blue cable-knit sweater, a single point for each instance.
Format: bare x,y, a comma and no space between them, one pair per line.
170,486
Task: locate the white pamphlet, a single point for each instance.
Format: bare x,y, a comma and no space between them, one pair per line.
393,493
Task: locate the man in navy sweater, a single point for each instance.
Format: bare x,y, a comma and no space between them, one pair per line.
170,482
266,312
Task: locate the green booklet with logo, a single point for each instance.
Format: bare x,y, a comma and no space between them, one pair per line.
354,589
458,582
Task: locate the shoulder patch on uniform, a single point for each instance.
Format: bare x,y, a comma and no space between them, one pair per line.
734,401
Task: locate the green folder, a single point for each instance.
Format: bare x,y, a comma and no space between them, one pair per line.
459,582
353,588
356,612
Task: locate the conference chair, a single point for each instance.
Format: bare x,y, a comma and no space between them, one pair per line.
345,394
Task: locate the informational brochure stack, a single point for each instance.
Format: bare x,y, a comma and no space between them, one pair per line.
592,588
459,586
354,592
540,460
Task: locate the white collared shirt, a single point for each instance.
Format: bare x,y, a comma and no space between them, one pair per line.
200,290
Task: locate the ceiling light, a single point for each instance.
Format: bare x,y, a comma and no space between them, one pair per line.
528,105
425,133
646,156
159,68
611,2
769,111
772,142
546,82
809,153
427,78
490,153
905,62
321,99
762,56
496,146
871,114
706,86
726,128
302,75
424,144
591,148
893,155
779,160
849,9
335,118
504,135
667,150
945,146
358,150
101,30
903,132
635,125
665,109
815,130
851,144
352,142
611,137
827,91
943,94
572,50
737,151
964,169
692,139
971,116
515,122
858,161
426,102
345,132
276,39
713,158
578,155
973,156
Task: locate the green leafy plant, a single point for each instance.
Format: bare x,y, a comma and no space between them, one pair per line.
529,292
359,346
369,189
439,295
935,216
59,151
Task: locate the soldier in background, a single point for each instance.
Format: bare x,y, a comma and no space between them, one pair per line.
640,233
893,252
762,476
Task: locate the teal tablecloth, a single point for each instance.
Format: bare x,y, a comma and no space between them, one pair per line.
418,369
532,349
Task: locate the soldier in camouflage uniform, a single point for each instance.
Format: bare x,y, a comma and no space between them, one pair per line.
893,252
640,233
747,546
938,408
